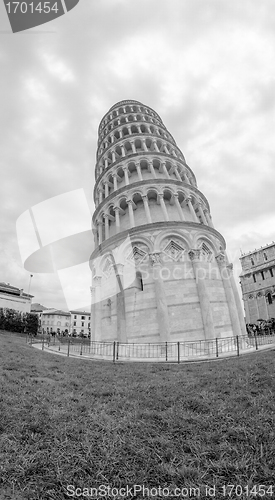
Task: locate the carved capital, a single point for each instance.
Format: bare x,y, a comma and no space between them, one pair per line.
194,254
220,258
155,258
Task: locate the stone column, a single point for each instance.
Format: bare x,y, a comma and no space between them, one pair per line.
147,208
208,218
178,205
256,304
206,311
191,208
100,195
133,146
95,236
202,214
123,150
93,314
100,224
155,146
115,181
233,313
144,145
165,170
126,175
131,212
178,175
139,172
161,301
106,220
120,306
106,189
113,156
186,178
96,335
237,299
106,162
152,170
163,206
117,215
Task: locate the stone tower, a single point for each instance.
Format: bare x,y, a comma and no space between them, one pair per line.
159,268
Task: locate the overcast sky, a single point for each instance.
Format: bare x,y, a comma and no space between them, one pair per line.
206,66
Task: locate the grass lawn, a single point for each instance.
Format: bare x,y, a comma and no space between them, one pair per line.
68,421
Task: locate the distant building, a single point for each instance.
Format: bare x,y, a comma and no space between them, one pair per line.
14,298
38,309
80,323
258,283
55,320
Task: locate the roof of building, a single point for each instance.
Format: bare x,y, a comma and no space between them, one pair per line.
80,312
13,290
36,307
56,311
251,252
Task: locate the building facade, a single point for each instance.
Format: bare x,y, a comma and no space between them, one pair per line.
55,321
14,298
258,283
80,323
38,310
159,268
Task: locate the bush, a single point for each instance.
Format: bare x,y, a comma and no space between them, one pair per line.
16,321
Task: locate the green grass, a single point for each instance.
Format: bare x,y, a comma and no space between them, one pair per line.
75,422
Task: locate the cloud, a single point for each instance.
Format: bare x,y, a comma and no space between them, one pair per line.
205,67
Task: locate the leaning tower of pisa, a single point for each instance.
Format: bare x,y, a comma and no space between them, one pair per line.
159,268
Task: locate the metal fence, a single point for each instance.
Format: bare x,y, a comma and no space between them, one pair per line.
165,351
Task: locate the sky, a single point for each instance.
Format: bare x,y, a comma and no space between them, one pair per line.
205,66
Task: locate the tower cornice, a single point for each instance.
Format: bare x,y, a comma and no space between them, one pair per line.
144,155
114,241
157,182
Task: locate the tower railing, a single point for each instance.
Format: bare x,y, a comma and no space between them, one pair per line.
176,352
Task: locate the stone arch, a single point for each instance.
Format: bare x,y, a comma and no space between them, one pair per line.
152,193
132,168
182,194
215,246
165,236
168,194
134,129
125,131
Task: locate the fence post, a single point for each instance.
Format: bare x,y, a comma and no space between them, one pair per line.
166,352
117,344
256,342
43,340
217,348
238,347
59,345
68,353
81,343
114,352
178,352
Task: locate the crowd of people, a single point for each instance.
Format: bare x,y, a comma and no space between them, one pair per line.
262,327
